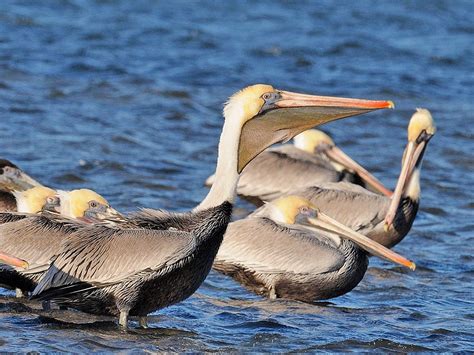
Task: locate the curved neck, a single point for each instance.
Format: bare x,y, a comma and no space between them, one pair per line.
21,203
413,189
226,177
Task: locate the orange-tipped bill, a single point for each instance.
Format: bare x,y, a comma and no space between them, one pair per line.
12,261
288,114
325,222
342,158
291,99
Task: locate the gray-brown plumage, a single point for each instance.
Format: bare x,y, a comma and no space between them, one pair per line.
363,211
136,271
366,212
133,271
12,178
272,256
35,239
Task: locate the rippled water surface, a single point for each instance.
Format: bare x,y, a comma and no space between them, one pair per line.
126,97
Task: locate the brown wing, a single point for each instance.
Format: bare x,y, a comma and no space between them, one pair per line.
98,256
260,245
276,172
34,239
349,204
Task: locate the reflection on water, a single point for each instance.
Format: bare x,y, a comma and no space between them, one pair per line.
125,97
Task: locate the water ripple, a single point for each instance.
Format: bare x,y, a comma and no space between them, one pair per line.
126,98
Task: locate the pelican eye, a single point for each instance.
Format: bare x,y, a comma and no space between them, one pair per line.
93,204
305,210
271,96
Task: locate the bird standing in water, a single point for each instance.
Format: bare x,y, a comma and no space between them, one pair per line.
383,219
132,272
37,238
288,249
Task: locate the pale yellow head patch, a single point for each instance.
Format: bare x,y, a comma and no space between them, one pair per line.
419,122
79,201
287,208
247,102
33,200
310,139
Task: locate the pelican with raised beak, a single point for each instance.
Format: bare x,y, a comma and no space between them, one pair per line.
387,220
133,272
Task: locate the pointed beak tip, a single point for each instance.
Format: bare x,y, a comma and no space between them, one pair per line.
24,265
412,266
386,226
391,104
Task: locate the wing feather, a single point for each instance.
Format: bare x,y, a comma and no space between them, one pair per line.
98,256
261,245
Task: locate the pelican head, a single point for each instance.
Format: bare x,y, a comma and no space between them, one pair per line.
259,116
53,204
85,203
421,124
311,139
12,178
289,209
420,130
102,212
295,209
267,115
315,141
33,200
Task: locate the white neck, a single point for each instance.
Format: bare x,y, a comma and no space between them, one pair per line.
299,142
21,203
413,189
65,202
226,177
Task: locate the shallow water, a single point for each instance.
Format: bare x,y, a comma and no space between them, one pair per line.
126,98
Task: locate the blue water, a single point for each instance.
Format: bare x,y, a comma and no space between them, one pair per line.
126,96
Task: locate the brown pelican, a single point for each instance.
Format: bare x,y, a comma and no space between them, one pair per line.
367,212
313,159
12,178
272,256
32,200
67,203
21,193
37,238
134,272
